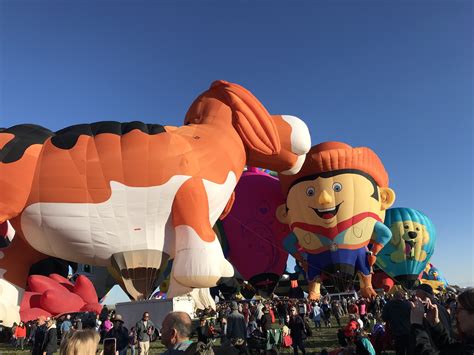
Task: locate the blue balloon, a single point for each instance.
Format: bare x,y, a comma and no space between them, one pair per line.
411,247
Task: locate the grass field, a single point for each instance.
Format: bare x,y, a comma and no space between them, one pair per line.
326,338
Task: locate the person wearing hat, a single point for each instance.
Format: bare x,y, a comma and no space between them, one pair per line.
425,292
120,333
435,339
335,207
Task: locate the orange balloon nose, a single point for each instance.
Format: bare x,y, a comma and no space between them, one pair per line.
324,198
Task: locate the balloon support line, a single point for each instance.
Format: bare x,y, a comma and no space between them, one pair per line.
282,249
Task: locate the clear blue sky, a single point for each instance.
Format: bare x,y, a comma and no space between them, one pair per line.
392,75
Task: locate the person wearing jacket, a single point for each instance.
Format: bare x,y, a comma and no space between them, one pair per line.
20,335
351,328
236,328
145,328
39,336
297,331
50,343
397,314
436,339
120,334
424,292
316,312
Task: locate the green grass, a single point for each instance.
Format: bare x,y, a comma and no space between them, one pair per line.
326,338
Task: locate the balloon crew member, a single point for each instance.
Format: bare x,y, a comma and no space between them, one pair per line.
120,333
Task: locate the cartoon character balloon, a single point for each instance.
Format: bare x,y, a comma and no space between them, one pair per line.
432,276
253,232
335,207
130,196
411,246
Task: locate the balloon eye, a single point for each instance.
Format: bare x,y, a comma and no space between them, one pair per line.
337,186
418,229
310,191
405,226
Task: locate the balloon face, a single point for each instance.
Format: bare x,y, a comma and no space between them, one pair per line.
335,207
254,234
411,246
321,207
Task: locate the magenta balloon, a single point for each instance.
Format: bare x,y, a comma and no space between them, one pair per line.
253,232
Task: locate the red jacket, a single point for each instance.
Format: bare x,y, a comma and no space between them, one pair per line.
351,327
20,332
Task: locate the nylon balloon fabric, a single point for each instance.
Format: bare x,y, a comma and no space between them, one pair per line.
411,247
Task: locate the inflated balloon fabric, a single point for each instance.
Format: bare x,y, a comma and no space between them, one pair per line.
253,232
130,196
335,207
410,249
55,295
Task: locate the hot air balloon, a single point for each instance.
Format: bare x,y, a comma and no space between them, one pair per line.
130,196
253,233
410,249
335,207
432,276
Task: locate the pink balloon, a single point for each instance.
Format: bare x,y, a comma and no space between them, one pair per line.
253,232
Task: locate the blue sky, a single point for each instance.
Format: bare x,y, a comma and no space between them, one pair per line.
392,75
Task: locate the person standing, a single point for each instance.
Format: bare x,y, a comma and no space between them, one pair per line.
336,311
236,329
32,332
20,334
39,336
145,328
120,334
397,314
344,305
66,326
297,331
132,340
317,316
50,344
326,313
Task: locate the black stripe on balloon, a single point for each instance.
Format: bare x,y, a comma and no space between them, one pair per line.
25,135
66,138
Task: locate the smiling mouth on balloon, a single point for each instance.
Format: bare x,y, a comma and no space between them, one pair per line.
327,213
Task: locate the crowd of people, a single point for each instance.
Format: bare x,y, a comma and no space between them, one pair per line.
416,323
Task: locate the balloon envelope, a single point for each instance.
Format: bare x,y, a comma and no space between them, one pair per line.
253,233
410,249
